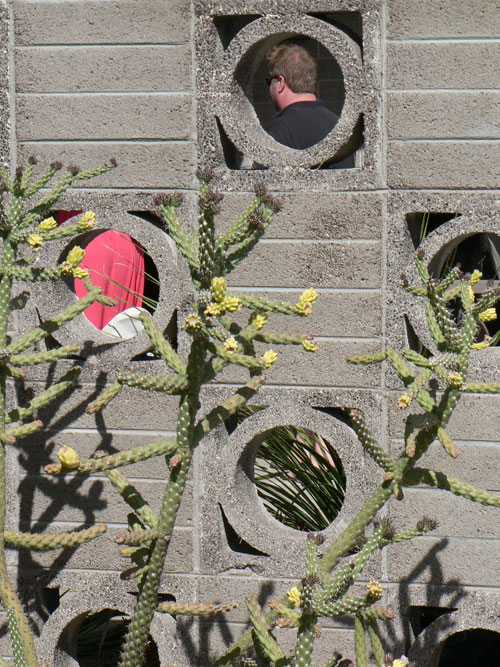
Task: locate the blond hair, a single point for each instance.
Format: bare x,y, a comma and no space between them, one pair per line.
296,65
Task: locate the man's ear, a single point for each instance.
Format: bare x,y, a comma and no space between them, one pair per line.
281,84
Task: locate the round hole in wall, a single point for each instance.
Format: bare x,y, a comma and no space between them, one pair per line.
299,478
125,271
481,252
470,648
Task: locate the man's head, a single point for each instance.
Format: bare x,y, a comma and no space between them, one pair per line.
293,75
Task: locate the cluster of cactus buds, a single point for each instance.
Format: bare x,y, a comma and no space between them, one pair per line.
217,340
325,589
26,227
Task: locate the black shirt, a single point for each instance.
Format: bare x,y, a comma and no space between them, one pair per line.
303,124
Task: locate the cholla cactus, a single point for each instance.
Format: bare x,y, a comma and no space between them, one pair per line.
325,589
25,229
217,341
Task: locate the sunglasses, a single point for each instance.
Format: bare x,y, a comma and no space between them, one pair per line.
269,79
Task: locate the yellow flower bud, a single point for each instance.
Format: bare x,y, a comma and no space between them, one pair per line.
310,346
213,310
308,296
86,222
75,256
35,241
488,315
230,344
218,289
483,344
192,323
259,320
231,303
269,358
47,224
455,379
472,296
404,401
374,590
304,308
401,662
78,272
475,277
294,596
69,458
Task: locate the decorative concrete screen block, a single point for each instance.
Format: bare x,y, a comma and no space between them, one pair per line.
164,269
455,218
231,49
237,530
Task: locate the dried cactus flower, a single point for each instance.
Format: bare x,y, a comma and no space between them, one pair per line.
404,401
192,323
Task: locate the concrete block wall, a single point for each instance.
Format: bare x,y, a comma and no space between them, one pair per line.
152,84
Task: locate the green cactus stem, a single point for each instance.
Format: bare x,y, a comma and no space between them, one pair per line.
441,481
133,498
104,398
48,542
259,626
359,642
162,346
376,643
125,458
44,357
137,537
369,443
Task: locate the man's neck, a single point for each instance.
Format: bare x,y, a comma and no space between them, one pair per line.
297,97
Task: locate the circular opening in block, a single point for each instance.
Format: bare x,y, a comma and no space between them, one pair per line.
125,271
477,252
470,648
330,89
299,478
100,638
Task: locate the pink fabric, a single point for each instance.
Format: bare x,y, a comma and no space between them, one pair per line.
115,262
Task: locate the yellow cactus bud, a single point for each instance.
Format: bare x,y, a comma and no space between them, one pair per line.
66,268
475,277
75,256
213,310
308,296
483,344
231,303
310,346
269,358
47,224
78,272
404,401
68,457
401,662
86,222
259,320
192,323
35,241
472,296
304,309
488,315
230,344
294,596
218,289
374,590
455,379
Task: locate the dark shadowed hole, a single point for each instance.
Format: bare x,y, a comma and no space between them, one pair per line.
300,478
422,223
471,648
421,616
228,26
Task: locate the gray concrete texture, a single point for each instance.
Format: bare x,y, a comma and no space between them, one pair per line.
144,82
